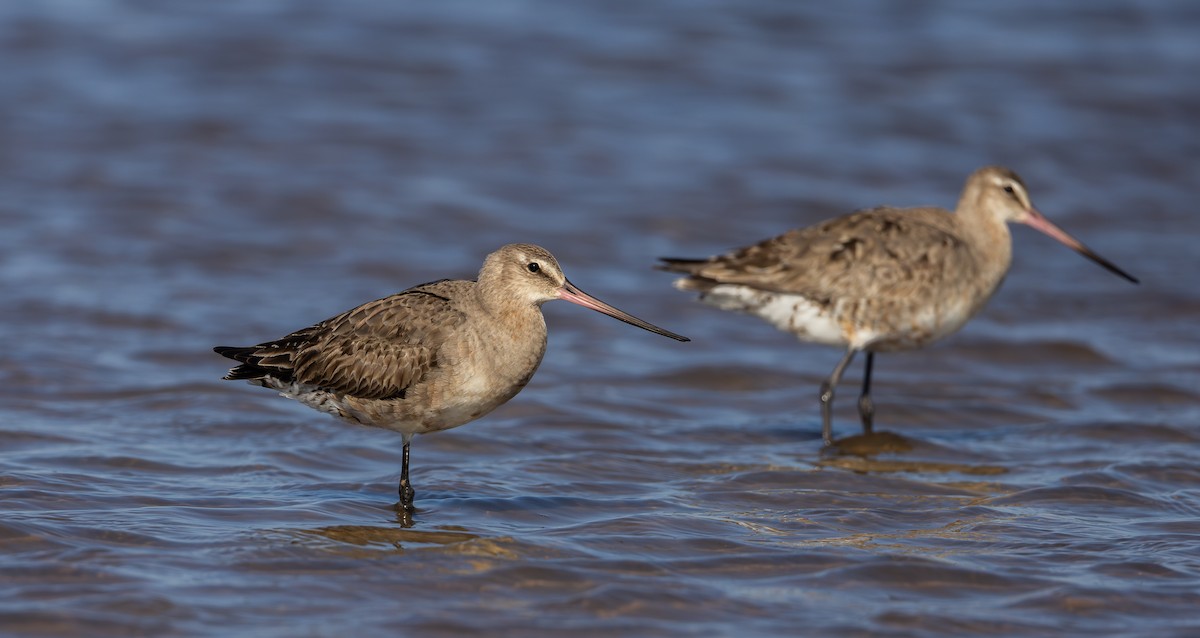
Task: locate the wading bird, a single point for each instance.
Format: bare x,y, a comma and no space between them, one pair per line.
433,357
878,280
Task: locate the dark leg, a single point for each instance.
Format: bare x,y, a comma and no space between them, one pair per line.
866,409
406,491
827,396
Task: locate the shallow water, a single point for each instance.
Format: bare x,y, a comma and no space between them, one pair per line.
179,175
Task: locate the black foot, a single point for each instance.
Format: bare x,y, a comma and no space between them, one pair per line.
826,398
407,494
866,410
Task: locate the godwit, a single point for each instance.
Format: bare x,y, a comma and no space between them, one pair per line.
880,280
433,357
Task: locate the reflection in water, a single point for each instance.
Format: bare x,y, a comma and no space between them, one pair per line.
399,538
905,465
874,443
857,453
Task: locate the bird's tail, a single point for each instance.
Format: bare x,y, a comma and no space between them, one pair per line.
675,264
249,359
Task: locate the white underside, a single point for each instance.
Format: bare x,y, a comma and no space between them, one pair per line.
817,324
306,394
328,402
471,400
789,313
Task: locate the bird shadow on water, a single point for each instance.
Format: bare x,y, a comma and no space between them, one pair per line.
404,532
398,538
889,452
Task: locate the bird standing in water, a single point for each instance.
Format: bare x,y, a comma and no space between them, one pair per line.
433,357
878,280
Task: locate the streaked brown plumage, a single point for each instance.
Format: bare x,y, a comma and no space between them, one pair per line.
433,357
879,280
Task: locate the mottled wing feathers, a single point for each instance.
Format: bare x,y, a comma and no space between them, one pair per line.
375,351
876,252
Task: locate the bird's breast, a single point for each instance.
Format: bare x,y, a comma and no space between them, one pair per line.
484,371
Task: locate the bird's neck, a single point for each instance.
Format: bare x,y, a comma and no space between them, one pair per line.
991,241
513,316
509,337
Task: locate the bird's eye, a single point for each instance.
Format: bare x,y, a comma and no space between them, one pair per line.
1009,189
534,267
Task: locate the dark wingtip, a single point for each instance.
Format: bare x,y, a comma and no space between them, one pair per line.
244,371
242,355
677,264
234,352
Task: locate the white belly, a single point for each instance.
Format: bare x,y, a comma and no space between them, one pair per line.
790,313
882,328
